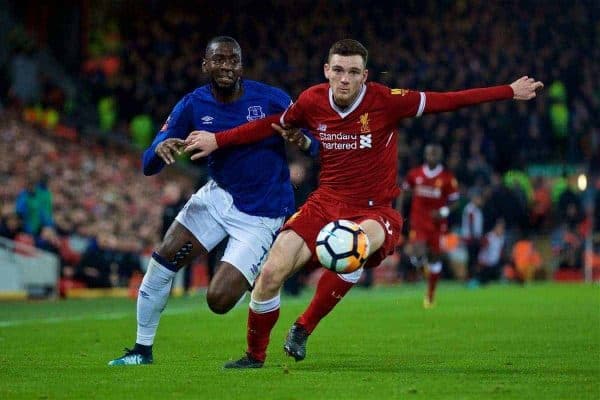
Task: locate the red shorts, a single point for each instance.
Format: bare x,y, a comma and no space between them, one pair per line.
432,237
319,210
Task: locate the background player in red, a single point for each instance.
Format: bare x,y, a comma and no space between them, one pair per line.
356,124
434,193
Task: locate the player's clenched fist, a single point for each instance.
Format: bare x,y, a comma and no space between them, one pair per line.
168,149
525,88
201,143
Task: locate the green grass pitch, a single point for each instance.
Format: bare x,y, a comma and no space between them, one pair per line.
499,342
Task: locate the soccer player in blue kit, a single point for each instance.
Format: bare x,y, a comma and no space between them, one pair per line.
247,198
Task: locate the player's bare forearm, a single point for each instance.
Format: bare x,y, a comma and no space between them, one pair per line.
524,88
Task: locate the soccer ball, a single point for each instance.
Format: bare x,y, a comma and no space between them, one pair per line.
342,246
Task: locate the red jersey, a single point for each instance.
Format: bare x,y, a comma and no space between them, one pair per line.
358,152
358,144
432,189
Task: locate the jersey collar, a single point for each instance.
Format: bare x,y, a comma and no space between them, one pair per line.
346,111
430,173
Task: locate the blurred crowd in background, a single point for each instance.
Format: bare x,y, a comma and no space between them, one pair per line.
69,164
81,200
143,67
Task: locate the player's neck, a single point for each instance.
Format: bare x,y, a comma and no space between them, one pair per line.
431,172
345,109
227,96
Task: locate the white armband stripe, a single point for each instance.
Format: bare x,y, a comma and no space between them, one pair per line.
281,121
421,105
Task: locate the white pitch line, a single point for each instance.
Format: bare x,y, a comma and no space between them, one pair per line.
173,311
98,317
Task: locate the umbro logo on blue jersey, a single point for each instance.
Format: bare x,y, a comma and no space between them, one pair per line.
207,120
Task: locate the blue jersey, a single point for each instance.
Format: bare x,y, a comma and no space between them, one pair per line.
256,175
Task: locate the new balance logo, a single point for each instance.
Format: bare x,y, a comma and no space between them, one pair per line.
207,120
388,226
365,141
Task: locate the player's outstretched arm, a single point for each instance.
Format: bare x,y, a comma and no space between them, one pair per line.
524,88
202,143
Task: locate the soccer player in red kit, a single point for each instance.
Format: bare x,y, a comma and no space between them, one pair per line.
434,193
356,124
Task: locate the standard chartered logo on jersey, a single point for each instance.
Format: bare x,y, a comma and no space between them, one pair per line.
345,141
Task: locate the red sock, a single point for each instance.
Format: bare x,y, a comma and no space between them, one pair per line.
259,330
431,284
330,290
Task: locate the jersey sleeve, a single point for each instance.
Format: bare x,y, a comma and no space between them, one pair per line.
451,189
250,132
295,115
260,129
313,148
409,181
436,102
404,103
284,102
178,125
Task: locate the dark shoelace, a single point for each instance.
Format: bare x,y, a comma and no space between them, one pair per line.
129,352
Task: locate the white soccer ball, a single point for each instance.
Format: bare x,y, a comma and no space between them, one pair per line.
342,246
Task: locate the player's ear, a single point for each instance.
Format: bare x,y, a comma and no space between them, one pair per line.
365,75
204,65
326,69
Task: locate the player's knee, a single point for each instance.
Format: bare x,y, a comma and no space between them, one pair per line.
219,301
271,277
163,257
177,255
375,233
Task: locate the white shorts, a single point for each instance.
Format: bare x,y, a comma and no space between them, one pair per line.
211,216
